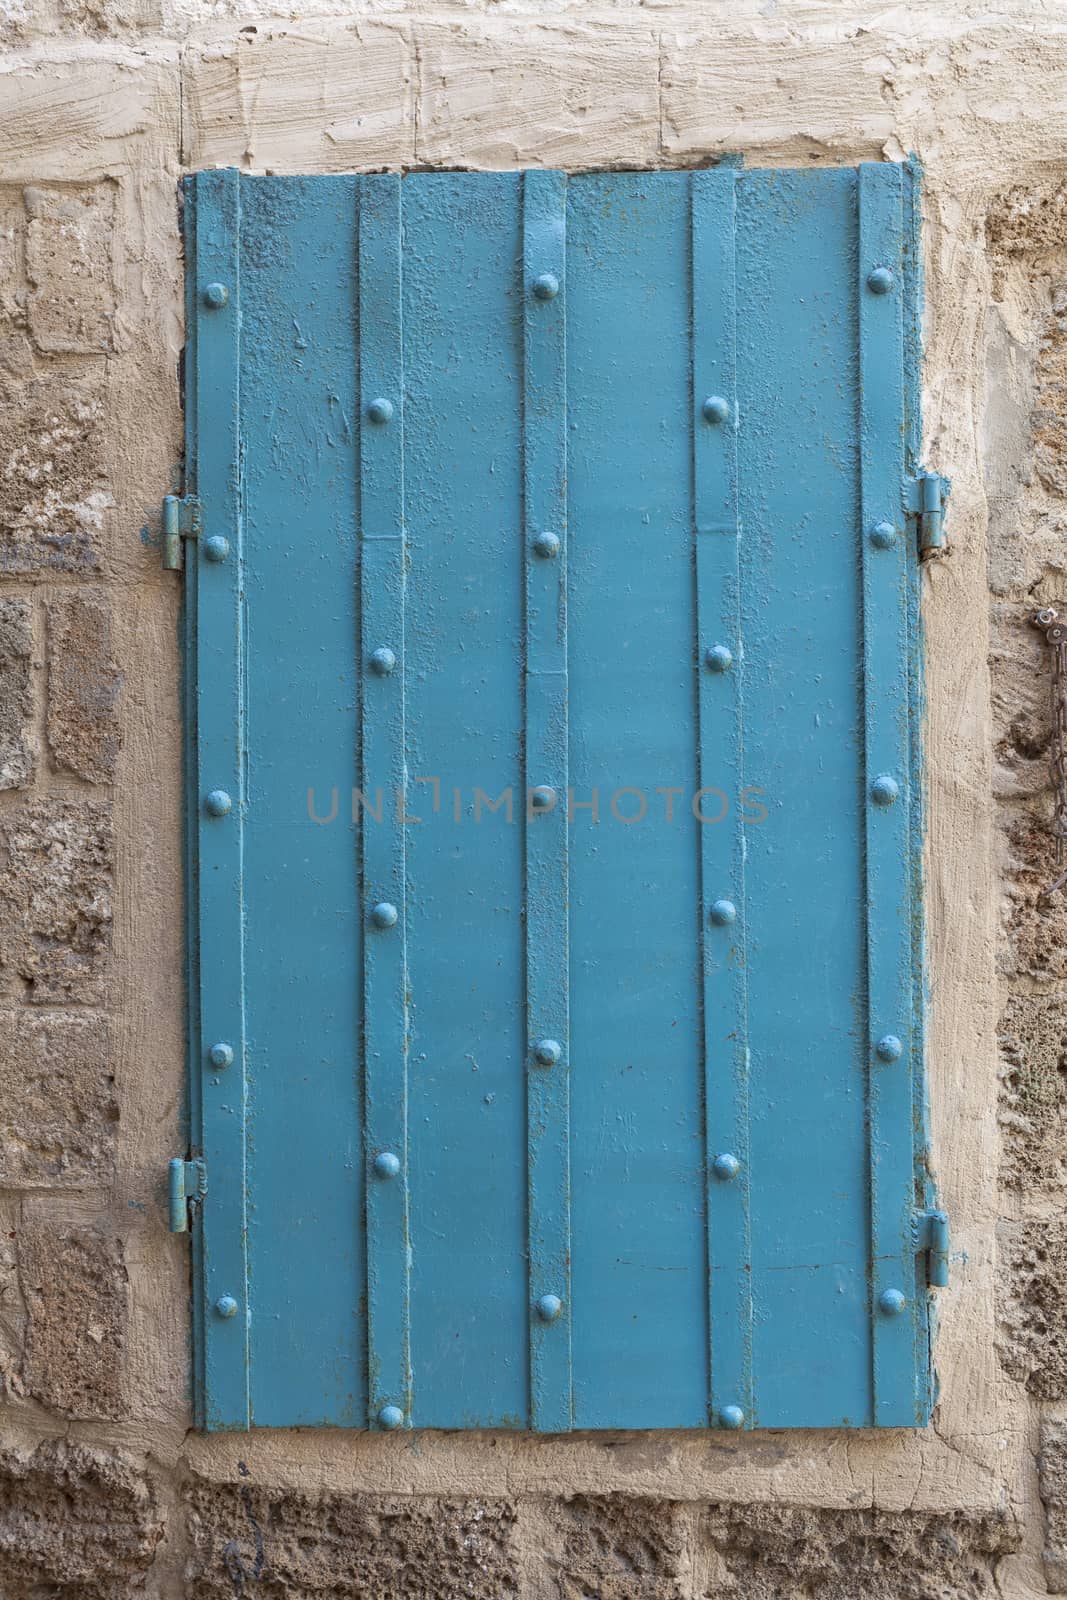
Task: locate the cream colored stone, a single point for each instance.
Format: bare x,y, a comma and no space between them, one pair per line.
544,95
303,98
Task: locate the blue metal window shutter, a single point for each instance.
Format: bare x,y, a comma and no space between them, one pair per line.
552,763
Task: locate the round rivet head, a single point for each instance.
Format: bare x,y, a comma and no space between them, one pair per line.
542,798
384,914
547,1052
546,287
387,1165
884,790
221,1055
889,1048
216,296
218,803
883,534
390,1418
549,1307
226,1306
546,545
880,281
380,410
719,658
726,1166
891,1302
715,409
731,1417
382,661
217,548
722,912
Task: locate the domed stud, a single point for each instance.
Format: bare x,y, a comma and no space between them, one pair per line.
884,790
546,545
549,1307
715,409
880,281
723,912
216,295
218,803
390,1418
380,411
719,658
726,1166
891,1302
226,1306
542,798
546,287
387,1165
217,548
384,914
382,661
546,1052
883,535
221,1055
889,1048
731,1417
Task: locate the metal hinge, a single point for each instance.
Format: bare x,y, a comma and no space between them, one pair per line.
925,498
930,1233
187,1186
181,520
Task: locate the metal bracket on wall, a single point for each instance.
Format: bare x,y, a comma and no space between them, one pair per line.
181,520
926,497
186,1186
932,1237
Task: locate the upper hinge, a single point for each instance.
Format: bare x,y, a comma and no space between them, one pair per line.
925,498
187,1186
181,520
930,1233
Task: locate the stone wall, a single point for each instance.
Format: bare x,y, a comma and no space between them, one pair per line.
105,1492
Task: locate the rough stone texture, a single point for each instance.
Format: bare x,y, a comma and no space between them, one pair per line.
71,303
16,699
1032,1327
1050,413
73,1279
75,1524
783,1553
617,1548
58,1111
55,893
1036,924
1026,221
1052,1465
83,688
251,1541
1033,1096
52,464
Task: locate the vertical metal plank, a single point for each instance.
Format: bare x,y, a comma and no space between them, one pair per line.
721,770
548,1065
384,877
220,799
895,1309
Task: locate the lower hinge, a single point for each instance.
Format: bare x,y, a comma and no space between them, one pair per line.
930,1233
925,499
181,520
187,1186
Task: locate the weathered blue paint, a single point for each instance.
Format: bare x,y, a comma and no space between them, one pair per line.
383,587
545,823
562,928
217,758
